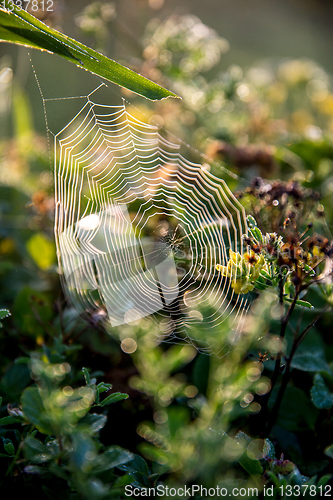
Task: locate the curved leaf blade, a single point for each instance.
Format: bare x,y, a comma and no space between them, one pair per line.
19,27
113,398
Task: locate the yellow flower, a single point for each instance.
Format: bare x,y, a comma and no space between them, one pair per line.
223,270
242,286
316,252
243,270
236,258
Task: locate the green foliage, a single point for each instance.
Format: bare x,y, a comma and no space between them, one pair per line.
257,415
4,313
321,397
71,449
20,27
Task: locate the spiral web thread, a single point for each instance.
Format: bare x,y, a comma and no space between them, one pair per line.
140,229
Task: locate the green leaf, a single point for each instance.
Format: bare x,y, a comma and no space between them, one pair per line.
86,375
10,420
320,395
137,464
102,387
257,234
33,409
329,451
324,479
304,303
301,303
268,450
15,380
36,451
42,250
19,27
24,360
251,221
114,456
310,362
94,422
9,447
4,313
113,398
251,466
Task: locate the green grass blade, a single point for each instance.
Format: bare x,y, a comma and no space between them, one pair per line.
19,27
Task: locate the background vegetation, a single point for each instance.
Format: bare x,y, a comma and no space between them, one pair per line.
262,414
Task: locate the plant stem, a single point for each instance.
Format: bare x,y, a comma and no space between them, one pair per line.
283,329
286,376
60,449
278,369
13,462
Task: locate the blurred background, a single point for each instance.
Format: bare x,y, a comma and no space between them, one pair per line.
255,77
255,30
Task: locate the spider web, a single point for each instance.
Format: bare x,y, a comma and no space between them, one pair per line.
140,229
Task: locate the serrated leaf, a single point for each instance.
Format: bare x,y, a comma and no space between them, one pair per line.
113,398
4,313
321,397
19,27
268,450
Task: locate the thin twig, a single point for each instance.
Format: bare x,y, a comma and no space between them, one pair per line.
278,368
41,322
286,375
